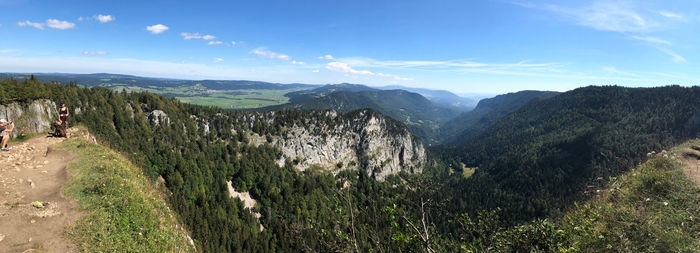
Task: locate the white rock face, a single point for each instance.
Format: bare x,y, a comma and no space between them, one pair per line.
158,116
365,140
33,117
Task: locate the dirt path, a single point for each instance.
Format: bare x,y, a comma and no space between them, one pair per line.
29,172
690,157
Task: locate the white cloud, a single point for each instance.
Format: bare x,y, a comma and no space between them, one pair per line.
669,14
94,53
298,62
233,43
52,23
215,42
674,56
157,29
217,60
196,36
315,71
59,24
262,51
652,40
326,57
81,19
345,68
6,51
616,71
39,26
104,18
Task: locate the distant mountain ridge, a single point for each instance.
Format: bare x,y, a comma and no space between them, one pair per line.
439,97
418,113
107,79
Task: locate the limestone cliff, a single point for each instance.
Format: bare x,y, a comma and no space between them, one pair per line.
362,139
34,117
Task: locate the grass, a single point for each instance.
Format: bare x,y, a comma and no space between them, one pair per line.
228,99
123,210
652,208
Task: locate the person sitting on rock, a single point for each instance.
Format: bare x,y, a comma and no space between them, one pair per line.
5,133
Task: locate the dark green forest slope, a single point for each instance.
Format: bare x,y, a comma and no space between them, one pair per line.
530,164
543,156
312,210
487,111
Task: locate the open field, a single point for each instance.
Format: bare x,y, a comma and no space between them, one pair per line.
227,99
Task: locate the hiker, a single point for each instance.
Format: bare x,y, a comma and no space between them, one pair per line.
5,133
63,114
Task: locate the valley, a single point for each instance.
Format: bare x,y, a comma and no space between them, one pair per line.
493,190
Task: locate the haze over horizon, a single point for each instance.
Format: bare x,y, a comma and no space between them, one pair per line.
464,47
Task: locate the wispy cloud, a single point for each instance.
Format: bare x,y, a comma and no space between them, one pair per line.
157,29
669,14
215,42
262,51
94,53
6,51
298,62
625,17
652,40
613,70
606,16
345,68
196,36
51,23
217,60
326,57
674,56
454,65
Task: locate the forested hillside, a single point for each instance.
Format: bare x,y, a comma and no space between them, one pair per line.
542,157
535,162
309,210
419,114
487,111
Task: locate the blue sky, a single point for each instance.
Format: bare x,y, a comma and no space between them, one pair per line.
462,46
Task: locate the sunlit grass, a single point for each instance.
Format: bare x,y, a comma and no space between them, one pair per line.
123,211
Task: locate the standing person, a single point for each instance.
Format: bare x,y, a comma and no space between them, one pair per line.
63,114
5,133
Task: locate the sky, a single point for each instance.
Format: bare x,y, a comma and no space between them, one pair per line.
462,46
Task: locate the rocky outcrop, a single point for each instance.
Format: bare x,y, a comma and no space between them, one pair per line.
158,116
359,140
34,117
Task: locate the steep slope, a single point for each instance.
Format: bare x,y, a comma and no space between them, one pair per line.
418,113
73,195
541,157
651,208
488,111
198,150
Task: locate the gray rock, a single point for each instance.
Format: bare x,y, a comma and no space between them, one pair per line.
158,116
34,117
